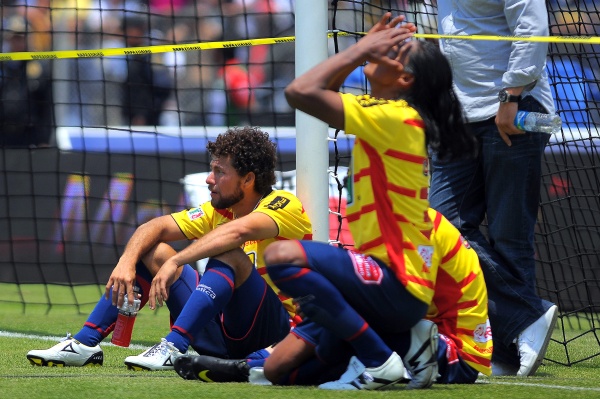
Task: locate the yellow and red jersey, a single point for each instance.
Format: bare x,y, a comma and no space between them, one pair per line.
460,303
388,187
283,207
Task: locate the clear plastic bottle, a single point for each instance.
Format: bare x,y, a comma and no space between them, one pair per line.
124,327
538,122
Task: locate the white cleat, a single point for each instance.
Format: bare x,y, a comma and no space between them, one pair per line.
68,352
421,358
159,357
533,342
357,376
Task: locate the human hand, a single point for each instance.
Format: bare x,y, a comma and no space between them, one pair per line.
382,43
505,121
122,281
159,289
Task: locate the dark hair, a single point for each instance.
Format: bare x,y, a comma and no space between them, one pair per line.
250,150
432,95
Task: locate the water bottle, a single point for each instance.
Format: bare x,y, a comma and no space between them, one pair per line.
538,122
124,327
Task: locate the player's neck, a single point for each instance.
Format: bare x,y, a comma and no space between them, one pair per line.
247,205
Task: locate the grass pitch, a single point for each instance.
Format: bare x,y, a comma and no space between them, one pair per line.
39,327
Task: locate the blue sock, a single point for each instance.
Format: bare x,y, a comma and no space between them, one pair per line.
181,291
324,304
257,359
212,294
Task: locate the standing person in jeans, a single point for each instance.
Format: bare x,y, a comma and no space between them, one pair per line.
493,80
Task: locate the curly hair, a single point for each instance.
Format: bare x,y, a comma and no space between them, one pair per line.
250,150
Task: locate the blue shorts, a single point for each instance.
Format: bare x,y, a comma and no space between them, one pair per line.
227,337
368,285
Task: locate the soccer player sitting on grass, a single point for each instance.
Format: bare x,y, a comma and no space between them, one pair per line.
232,309
309,355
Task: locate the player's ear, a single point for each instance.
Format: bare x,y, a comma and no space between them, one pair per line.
249,178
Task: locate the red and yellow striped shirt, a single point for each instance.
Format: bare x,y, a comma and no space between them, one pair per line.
387,193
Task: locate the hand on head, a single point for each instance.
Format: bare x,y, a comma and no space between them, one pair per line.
383,40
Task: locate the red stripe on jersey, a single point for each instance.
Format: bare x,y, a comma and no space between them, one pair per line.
415,122
404,156
361,173
371,244
437,220
452,252
424,193
476,359
420,281
225,213
356,215
385,214
307,237
408,192
262,271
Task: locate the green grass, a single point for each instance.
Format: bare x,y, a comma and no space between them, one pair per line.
19,379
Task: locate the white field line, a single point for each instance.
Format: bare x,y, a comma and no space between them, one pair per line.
533,385
57,339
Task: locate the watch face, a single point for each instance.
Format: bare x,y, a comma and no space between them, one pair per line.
503,96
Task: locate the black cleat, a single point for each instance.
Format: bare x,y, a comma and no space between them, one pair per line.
211,369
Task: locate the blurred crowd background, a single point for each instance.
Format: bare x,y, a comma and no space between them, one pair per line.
220,87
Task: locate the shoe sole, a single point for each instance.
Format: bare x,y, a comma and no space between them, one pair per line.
138,367
432,369
542,352
41,362
184,368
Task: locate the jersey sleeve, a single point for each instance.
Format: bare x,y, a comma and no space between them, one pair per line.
288,213
196,222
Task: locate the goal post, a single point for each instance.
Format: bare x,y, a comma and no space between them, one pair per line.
312,149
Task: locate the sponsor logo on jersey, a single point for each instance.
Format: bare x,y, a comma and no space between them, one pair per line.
483,332
195,213
278,203
366,268
426,253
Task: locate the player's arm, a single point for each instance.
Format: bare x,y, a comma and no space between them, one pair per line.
254,226
316,91
145,237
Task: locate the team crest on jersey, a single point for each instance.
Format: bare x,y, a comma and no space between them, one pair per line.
465,243
278,203
368,101
426,253
366,268
483,332
195,213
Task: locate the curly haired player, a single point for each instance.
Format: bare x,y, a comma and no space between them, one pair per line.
232,309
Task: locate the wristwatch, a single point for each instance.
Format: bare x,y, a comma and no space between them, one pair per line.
504,97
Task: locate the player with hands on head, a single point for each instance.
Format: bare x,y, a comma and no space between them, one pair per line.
230,310
385,286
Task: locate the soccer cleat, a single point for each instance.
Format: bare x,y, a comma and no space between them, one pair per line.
211,369
357,376
533,342
421,358
159,357
68,352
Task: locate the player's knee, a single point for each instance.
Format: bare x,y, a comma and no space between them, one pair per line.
272,372
283,252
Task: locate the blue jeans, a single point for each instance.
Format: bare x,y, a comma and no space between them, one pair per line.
502,183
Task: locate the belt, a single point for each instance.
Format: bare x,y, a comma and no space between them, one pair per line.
487,122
